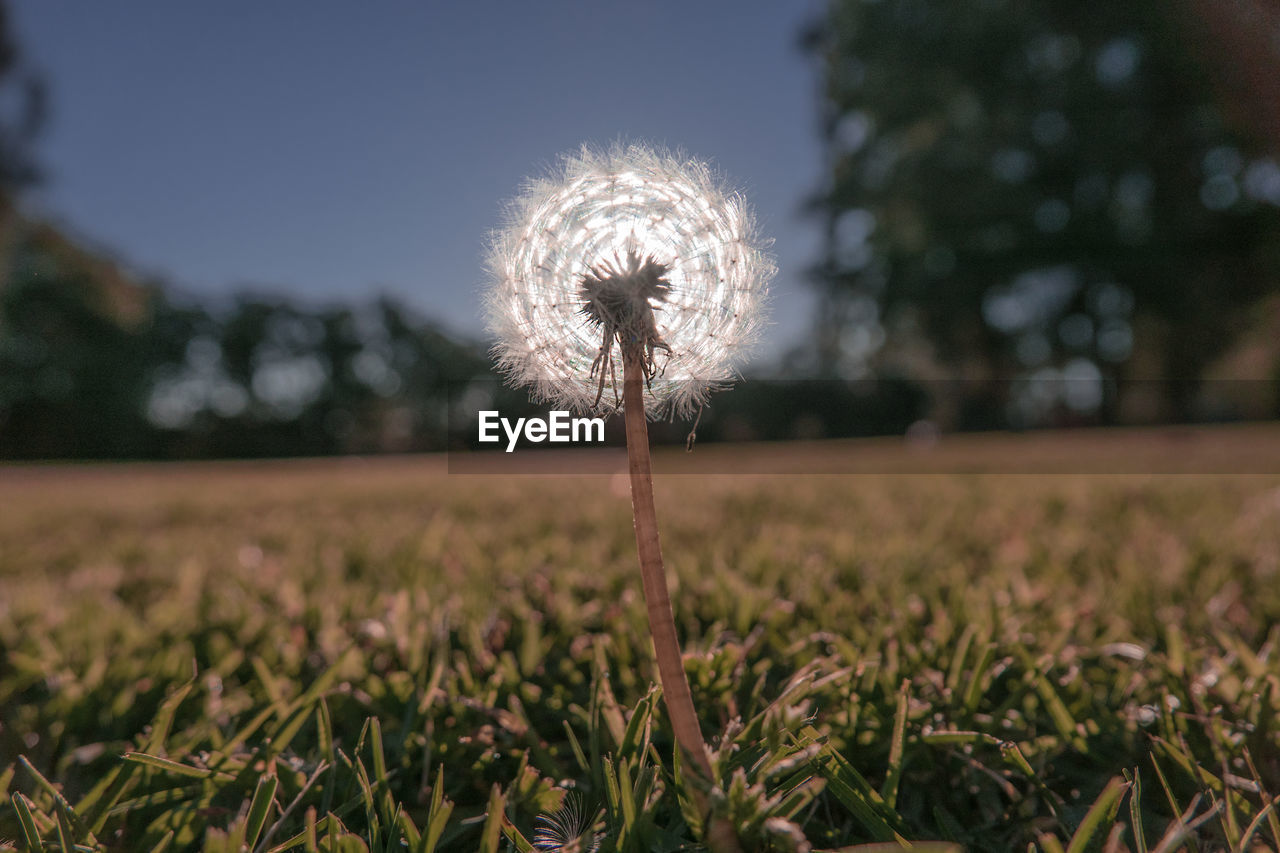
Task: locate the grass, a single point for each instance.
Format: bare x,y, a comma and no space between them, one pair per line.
352,656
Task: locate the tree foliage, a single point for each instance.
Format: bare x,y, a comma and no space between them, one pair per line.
73,356
1039,185
94,365
23,114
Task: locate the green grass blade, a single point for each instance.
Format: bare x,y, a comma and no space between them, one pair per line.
324,730
163,845
685,796
437,816
1135,810
275,693
626,795
1273,821
957,738
1100,815
973,690
263,798
853,791
578,754
66,838
381,783
375,747
310,843
96,806
631,737
299,840
164,718
409,829
516,837
1050,844
161,797
437,820
247,731
610,710
1062,718
286,732
493,823
79,830
959,656
32,835
167,765
613,790
392,842
896,743
369,802
1174,808
1266,813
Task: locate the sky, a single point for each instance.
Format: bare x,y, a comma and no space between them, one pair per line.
335,150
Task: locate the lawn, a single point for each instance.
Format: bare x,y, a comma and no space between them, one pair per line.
970,644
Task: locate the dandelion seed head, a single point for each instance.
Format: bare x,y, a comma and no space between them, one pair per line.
569,829
599,212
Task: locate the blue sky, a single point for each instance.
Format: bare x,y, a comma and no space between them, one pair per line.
334,150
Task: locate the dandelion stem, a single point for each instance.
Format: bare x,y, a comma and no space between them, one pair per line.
662,624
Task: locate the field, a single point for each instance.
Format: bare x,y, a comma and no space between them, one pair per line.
380,655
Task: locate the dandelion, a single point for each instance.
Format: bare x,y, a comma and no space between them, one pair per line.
643,252
620,246
569,829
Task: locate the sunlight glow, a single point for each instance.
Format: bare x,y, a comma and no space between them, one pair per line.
597,208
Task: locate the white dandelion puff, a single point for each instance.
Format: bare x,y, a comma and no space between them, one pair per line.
628,225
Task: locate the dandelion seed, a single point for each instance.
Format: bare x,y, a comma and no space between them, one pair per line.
621,243
569,829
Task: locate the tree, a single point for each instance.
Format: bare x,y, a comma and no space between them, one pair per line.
1039,185
20,124
273,377
75,347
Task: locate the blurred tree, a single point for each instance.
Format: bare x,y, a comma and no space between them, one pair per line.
1048,187
1244,43
74,354
21,121
427,363
269,377
22,115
